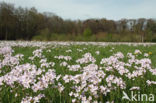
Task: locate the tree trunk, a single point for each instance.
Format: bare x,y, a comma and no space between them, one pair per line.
6,34
142,38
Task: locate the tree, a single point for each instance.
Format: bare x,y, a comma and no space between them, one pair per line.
26,23
8,20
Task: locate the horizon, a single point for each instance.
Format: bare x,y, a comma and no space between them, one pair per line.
111,10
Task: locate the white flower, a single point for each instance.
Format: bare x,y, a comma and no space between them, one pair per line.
63,64
97,52
73,100
137,51
68,51
71,93
87,57
146,55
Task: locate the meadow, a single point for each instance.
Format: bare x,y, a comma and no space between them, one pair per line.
77,72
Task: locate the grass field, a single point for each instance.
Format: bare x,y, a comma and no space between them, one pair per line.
51,72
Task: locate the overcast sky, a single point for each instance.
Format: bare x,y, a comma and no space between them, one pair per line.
84,9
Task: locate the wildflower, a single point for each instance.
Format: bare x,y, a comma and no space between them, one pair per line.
146,55
97,52
150,53
137,52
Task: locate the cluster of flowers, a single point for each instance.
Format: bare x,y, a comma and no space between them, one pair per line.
37,54
87,57
139,66
32,99
44,81
91,82
44,44
67,58
45,64
8,59
26,74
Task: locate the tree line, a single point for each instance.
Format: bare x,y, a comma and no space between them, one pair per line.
17,23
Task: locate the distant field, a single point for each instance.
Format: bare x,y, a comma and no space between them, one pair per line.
77,72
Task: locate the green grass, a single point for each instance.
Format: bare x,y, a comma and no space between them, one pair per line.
52,94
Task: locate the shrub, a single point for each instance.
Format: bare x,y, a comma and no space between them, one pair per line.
44,35
87,32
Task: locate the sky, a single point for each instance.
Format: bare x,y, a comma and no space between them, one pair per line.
85,9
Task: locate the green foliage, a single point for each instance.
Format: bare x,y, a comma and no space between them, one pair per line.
44,35
29,24
109,37
149,35
87,32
